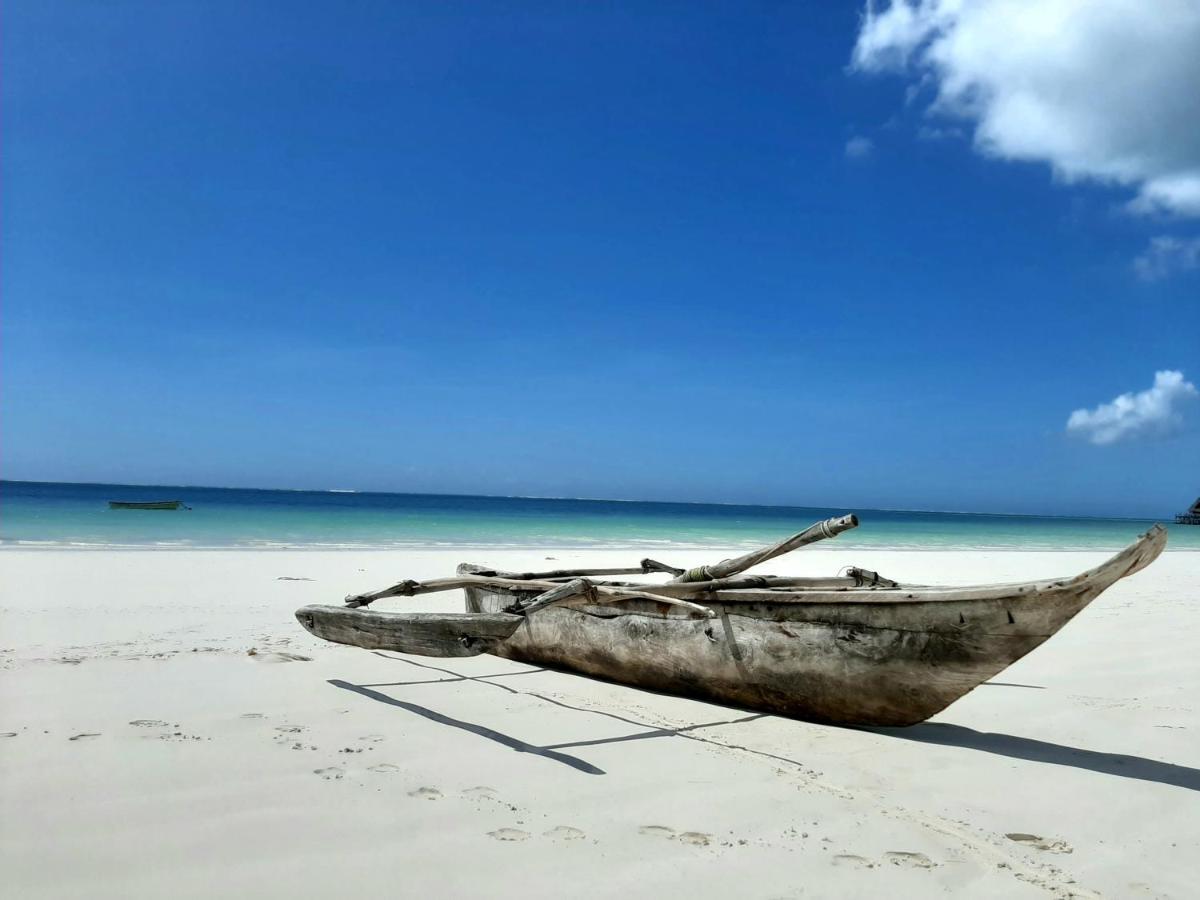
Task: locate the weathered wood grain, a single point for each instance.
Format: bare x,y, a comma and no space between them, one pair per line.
579,587
425,634
644,568
521,588
818,532
582,592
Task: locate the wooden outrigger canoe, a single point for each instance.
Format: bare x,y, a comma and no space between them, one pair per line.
146,504
855,649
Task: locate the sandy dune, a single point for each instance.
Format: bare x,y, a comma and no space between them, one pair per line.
167,729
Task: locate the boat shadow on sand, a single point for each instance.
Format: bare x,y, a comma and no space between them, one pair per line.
1138,767
940,733
550,751
481,730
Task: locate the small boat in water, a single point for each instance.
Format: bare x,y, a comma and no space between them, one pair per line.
147,504
854,649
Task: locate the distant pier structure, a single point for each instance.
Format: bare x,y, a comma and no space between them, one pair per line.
1191,517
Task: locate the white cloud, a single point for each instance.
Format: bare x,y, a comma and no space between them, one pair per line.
1146,413
859,148
1107,90
1167,255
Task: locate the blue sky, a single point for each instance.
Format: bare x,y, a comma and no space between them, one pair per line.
610,250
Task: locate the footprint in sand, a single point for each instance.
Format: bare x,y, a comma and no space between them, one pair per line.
564,833
695,838
912,860
426,793
4,734
253,716
1038,842
661,831
149,723
853,860
509,834
384,769
277,656
480,792
79,737
372,738
290,729
332,773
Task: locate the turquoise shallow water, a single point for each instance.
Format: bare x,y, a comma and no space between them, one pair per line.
77,515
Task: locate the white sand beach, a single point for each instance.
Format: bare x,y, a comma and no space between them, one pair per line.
168,729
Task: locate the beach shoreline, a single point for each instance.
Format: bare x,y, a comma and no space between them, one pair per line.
72,516
166,705
525,550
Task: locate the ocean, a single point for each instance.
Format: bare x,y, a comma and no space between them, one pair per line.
52,515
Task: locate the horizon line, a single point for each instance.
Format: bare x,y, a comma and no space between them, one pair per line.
951,512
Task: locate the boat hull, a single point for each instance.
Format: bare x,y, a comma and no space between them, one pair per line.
889,662
795,660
